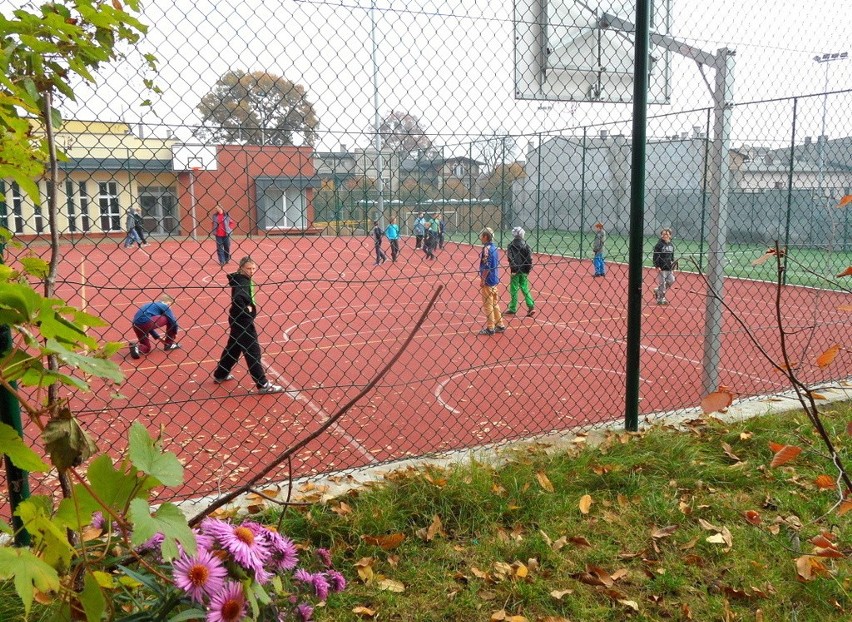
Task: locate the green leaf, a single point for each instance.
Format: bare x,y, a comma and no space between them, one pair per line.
146,456
5,527
189,614
28,571
35,266
75,513
94,366
67,443
145,579
21,456
167,520
18,303
92,598
51,537
114,487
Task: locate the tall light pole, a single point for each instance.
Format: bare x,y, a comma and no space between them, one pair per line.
825,59
378,121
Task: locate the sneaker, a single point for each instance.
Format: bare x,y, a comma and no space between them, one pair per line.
134,351
662,302
221,380
531,313
270,388
499,329
509,312
171,346
486,331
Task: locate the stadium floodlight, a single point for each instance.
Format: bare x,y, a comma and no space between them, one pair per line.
825,59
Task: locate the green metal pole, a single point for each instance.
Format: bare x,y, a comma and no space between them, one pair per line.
637,215
790,190
704,193
583,195
10,413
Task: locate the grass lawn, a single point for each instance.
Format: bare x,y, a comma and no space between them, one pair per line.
686,524
669,524
802,262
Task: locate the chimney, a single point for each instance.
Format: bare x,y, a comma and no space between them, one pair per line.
808,141
684,135
604,134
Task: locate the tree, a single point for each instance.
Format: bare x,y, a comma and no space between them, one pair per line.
402,134
495,150
257,108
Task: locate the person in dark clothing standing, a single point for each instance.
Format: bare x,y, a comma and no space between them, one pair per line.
377,235
138,225
520,265
664,263
243,337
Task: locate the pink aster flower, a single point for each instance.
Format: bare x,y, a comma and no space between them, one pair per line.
321,585
304,612
247,549
199,576
324,555
283,552
336,580
303,576
229,605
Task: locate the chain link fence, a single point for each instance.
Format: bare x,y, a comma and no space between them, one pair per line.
311,123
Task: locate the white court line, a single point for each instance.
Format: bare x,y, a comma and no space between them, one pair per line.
297,396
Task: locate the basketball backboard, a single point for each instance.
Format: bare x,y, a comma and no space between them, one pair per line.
189,157
565,51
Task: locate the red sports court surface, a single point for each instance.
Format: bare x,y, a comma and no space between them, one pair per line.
329,320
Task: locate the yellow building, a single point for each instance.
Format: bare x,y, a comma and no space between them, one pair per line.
108,171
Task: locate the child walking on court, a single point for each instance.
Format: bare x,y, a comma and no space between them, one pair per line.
489,279
597,249
664,263
132,234
377,239
243,336
520,264
429,240
393,237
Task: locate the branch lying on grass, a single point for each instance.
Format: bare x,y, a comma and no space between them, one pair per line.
287,453
803,393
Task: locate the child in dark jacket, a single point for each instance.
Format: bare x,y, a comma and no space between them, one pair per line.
664,263
377,234
520,265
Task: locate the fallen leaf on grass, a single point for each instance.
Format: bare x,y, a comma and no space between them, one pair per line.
663,532
429,533
559,594
752,517
824,539
341,509
364,566
544,482
632,604
808,567
502,616
824,482
594,575
364,612
553,619
579,541
730,452
784,455
387,542
389,585
585,503
844,507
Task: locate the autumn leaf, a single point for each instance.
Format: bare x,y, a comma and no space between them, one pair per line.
824,482
730,452
544,482
844,507
435,529
663,532
808,567
846,272
763,258
818,396
824,540
717,401
828,552
825,359
364,612
752,517
559,594
845,200
389,585
845,308
775,447
785,455
386,542
585,503
364,566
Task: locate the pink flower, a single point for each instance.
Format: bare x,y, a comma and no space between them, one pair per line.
229,605
336,580
321,586
304,612
284,555
199,576
324,555
242,542
303,576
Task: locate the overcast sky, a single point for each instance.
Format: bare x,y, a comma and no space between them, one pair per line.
450,63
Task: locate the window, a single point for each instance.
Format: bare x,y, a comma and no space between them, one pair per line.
38,217
17,208
77,197
108,203
459,171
